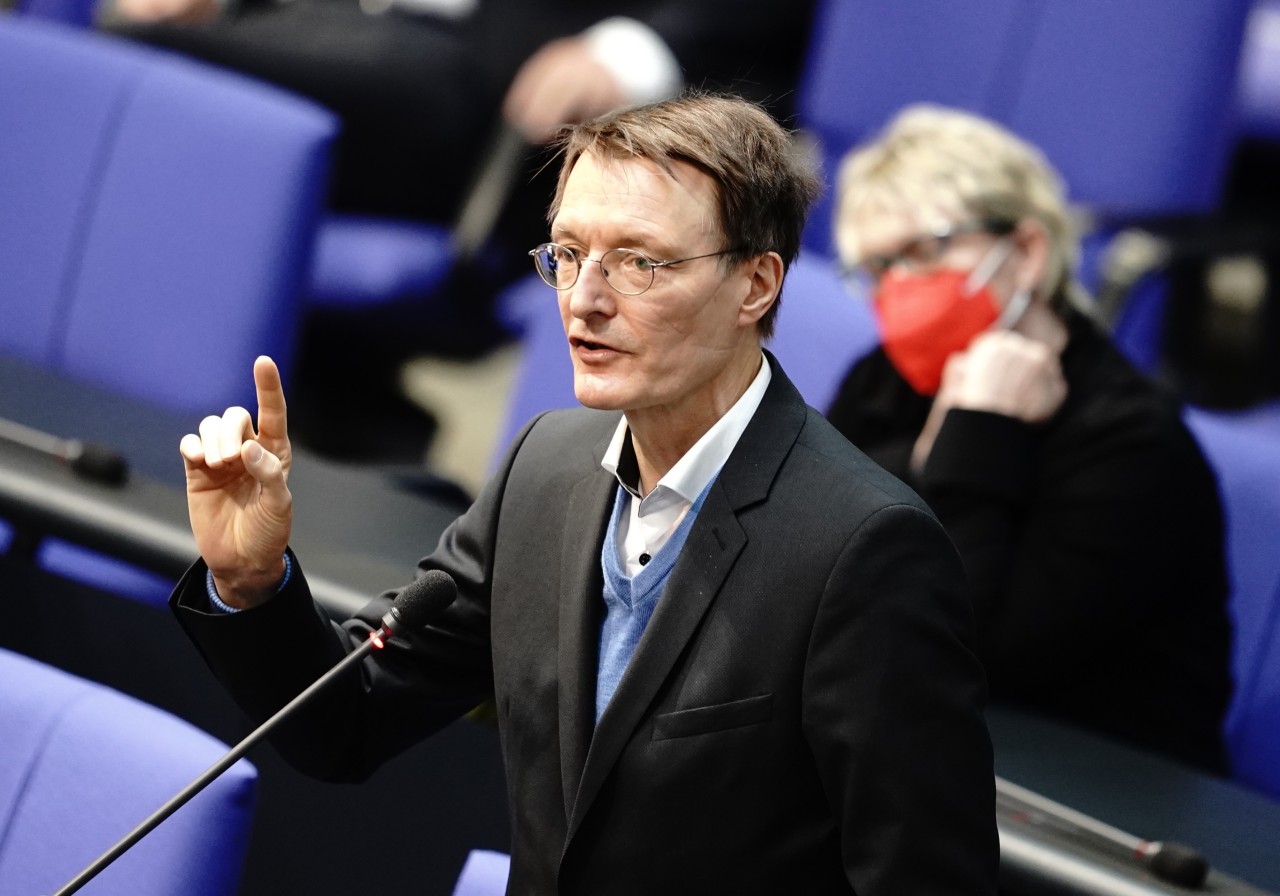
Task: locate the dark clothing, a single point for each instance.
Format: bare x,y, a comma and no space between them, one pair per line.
803,713
1093,544
419,96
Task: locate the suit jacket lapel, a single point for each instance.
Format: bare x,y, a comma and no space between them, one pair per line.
581,609
713,545
688,594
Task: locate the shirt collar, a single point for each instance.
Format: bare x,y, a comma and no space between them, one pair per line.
690,475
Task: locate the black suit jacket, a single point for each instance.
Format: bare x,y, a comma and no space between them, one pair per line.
802,714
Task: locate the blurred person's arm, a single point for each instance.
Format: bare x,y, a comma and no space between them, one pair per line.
751,46
615,63
178,11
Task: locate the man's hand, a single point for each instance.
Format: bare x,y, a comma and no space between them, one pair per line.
237,493
560,84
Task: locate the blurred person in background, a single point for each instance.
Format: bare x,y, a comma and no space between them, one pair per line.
421,84
1087,517
428,92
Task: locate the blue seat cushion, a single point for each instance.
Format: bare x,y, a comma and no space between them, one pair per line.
361,261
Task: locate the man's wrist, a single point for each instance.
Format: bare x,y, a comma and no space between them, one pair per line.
245,592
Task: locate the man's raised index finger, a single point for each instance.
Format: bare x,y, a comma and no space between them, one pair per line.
272,421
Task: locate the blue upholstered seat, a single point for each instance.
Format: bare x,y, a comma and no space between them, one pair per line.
158,223
1133,102
159,214
484,874
1244,450
82,765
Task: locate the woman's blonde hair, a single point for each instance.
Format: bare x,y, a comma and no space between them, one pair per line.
935,160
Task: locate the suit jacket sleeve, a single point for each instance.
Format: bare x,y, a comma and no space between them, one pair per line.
415,686
893,713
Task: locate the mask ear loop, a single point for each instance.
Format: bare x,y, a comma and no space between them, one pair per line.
1019,302
987,267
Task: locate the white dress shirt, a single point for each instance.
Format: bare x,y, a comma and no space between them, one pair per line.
652,518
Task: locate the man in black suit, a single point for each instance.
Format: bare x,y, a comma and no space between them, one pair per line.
728,653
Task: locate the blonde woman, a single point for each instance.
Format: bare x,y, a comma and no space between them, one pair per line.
1087,518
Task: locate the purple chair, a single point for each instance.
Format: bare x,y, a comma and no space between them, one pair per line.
1133,102
70,12
1259,92
822,329
484,873
359,261
156,211
362,261
544,377
158,222
82,765
1244,450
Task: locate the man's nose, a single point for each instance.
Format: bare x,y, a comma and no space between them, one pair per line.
591,293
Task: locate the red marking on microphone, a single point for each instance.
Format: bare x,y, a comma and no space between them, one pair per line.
376,638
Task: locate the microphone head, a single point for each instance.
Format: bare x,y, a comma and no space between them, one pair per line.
98,462
423,598
1179,865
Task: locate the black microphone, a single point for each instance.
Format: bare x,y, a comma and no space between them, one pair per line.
88,459
1171,862
428,595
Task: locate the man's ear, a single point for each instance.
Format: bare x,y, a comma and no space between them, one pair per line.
765,281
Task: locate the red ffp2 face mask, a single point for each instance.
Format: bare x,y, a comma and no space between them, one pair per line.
925,318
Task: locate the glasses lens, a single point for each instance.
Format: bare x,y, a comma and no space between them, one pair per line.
921,254
627,271
873,267
556,265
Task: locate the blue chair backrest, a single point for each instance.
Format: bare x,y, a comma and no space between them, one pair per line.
70,12
484,873
1254,731
1259,88
1132,101
544,375
1245,453
82,765
158,219
158,216
822,328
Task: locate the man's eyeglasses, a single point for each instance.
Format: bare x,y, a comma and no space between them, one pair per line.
921,253
626,270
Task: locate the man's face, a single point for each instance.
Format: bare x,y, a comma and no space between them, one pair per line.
670,349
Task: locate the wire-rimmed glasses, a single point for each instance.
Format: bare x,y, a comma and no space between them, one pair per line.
917,254
628,271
